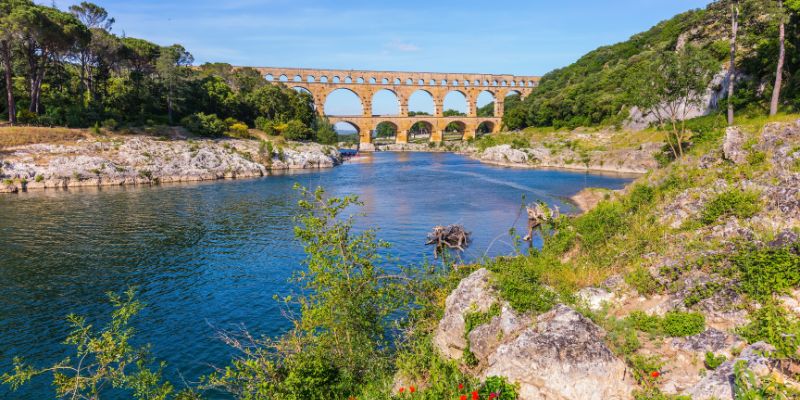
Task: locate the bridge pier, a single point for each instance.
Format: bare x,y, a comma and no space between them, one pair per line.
402,137
437,135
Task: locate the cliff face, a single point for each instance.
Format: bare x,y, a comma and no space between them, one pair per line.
142,160
687,318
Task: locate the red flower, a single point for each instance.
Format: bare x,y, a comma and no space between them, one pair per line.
402,390
463,397
474,395
655,374
411,389
492,395
460,386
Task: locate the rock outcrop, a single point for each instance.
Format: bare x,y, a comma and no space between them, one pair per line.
563,357
719,384
143,160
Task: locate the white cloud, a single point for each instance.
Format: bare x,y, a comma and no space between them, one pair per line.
402,46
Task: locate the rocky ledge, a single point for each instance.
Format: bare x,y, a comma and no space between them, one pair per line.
636,160
144,160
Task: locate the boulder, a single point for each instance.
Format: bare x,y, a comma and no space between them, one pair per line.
563,357
719,384
595,298
733,145
504,154
484,339
473,294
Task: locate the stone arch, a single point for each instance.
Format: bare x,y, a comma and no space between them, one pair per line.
384,132
483,100
336,79
396,81
432,82
269,77
348,79
283,78
373,81
456,100
454,130
421,130
348,130
388,97
340,97
385,81
298,78
323,79
422,101
360,80
300,88
409,81
484,128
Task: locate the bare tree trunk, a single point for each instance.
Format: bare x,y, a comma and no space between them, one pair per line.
732,68
776,91
12,106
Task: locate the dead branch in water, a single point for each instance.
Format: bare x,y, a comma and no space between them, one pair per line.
451,237
539,214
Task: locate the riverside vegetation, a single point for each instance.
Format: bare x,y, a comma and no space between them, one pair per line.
686,285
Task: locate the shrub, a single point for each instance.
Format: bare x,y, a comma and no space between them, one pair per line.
26,117
239,130
734,202
598,225
204,124
712,361
111,124
296,130
38,178
641,196
679,324
774,325
502,389
641,280
766,272
644,322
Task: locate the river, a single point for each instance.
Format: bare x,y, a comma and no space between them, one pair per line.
212,255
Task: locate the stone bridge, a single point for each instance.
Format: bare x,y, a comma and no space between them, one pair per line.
321,82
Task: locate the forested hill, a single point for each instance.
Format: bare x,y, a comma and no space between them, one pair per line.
591,91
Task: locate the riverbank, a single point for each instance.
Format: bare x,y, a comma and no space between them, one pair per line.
112,160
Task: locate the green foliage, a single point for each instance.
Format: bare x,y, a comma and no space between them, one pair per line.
502,389
646,323
712,361
734,202
204,124
679,324
641,280
339,342
519,281
748,386
773,324
326,133
601,223
103,361
766,272
641,196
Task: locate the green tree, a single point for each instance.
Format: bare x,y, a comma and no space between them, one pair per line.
11,31
340,340
326,133
170,66
668,86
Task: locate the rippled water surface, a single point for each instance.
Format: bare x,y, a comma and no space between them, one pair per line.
212,255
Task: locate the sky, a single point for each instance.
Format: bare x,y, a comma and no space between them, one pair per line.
523,37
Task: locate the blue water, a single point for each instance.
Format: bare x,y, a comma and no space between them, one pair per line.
211,256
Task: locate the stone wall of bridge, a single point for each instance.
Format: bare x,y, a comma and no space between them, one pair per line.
365,84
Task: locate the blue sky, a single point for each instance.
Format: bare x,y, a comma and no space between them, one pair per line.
510,37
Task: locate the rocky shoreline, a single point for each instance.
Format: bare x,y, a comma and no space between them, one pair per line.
124,160
628,161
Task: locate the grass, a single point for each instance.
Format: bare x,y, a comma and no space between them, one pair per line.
11,136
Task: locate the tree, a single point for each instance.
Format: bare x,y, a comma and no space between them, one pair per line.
170,65
790,6
732,66
668,86
10,31
453,113
326,132
96,19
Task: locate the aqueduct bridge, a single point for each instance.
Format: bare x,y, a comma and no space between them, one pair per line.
321,82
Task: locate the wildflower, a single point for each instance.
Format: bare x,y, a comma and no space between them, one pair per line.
474,395
655,374
463,397
460,386
402,390
492,395
412,389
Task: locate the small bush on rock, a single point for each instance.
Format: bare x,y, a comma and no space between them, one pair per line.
679,324
204,124
734,202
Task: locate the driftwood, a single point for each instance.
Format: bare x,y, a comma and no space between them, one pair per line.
450,237
538,215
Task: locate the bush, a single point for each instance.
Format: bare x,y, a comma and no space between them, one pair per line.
26,117
734,202
712,361
679,324
239,130
296,130
598,225
641,280
204,124
766,272
641,196
774,325
110,124
644,322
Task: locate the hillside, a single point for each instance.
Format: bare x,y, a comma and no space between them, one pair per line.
590,91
